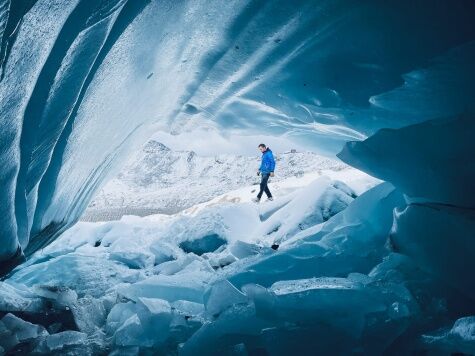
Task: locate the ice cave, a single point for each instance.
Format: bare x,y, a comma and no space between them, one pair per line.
126,178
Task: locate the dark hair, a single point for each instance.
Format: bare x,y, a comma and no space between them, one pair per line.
262,145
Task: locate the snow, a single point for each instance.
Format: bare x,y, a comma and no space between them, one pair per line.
311,206
159,180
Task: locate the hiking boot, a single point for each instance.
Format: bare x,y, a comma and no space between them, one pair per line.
270,199
256,200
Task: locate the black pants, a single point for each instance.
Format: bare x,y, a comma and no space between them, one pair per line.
264,187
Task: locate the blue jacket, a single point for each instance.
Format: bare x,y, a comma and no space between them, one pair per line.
268,162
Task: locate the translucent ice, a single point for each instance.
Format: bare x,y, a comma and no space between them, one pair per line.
352,241
460,338
221,295
16,330
410,159
64,339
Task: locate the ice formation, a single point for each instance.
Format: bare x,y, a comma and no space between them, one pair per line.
390,85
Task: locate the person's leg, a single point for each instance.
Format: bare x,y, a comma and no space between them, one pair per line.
267,190
264,179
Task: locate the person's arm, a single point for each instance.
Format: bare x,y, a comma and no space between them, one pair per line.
272,165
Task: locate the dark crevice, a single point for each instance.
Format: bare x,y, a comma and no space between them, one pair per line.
47,317
208,243
45,237
6,266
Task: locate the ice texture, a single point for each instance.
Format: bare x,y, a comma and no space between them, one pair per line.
352,282
317,203
437,222
410,159
64,339
351,241
460,338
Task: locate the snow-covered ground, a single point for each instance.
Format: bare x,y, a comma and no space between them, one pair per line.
159,180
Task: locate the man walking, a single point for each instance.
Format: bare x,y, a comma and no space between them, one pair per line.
266,170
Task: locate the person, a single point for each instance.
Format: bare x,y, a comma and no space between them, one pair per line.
266,170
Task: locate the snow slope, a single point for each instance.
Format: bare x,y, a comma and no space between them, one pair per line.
159,180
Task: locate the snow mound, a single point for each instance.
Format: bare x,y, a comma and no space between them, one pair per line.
317,203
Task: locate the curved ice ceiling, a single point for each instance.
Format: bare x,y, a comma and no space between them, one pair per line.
84,82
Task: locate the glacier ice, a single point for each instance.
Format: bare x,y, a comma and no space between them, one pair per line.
207,243
84,83
437,222
220,296
148,326
453,229
314,205
61,341
282,318
352,241
22,330
409,159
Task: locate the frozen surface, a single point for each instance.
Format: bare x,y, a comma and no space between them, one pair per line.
133,283
438,221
